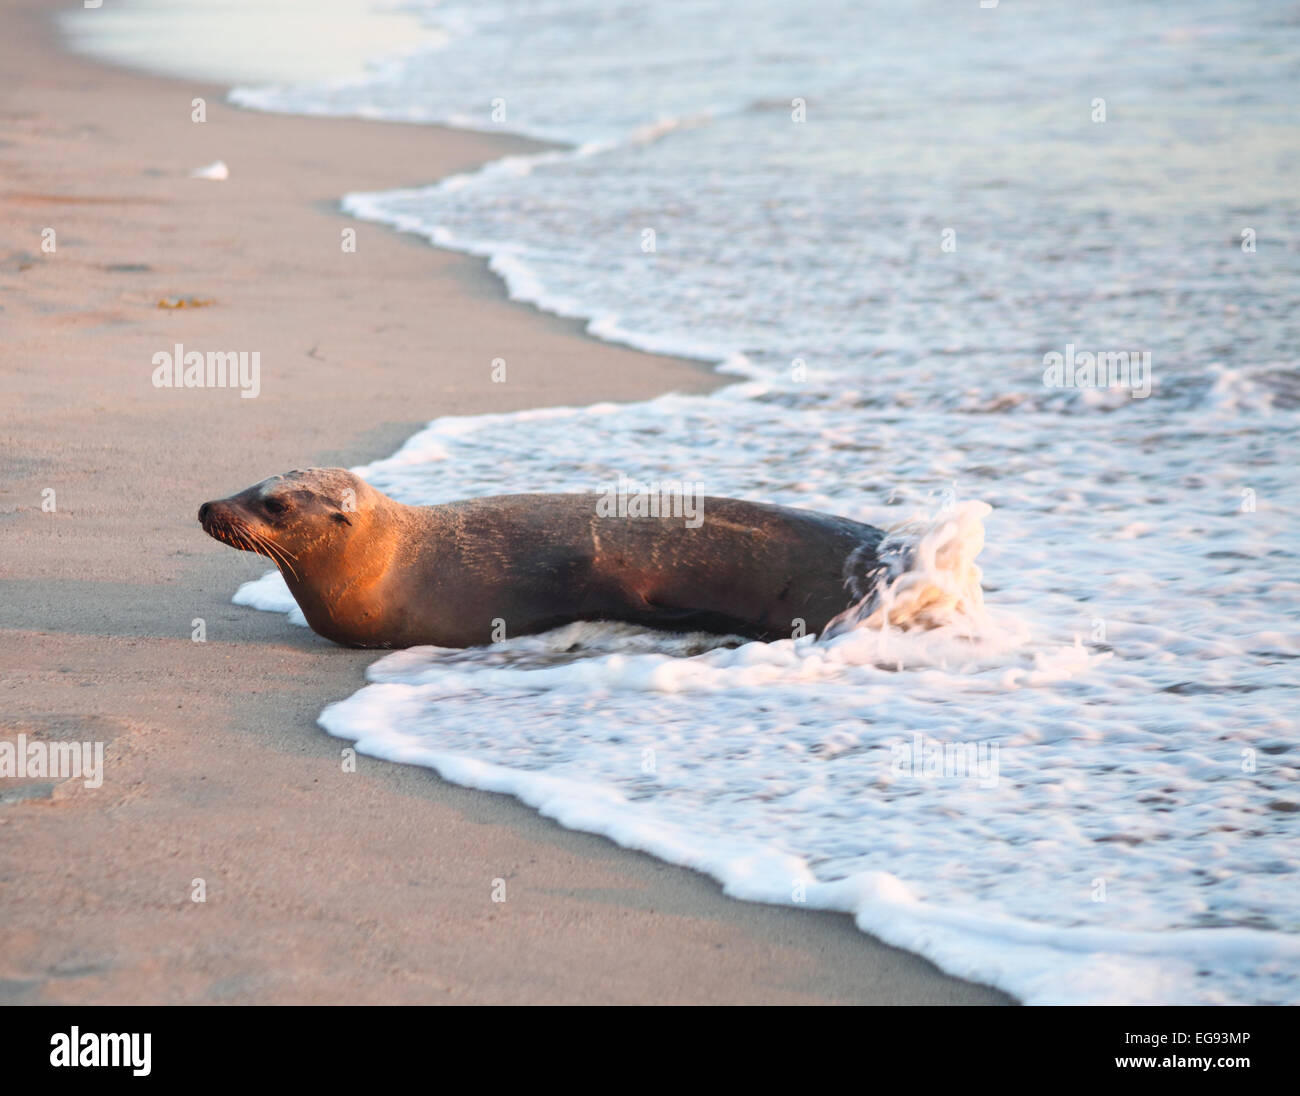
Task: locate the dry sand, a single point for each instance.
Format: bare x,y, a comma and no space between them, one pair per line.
322,886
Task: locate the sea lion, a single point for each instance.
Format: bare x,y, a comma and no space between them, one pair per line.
368,571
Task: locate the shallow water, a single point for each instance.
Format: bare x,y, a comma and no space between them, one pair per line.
1123,826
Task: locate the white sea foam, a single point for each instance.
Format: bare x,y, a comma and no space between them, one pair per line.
1118,666
220,41
271,594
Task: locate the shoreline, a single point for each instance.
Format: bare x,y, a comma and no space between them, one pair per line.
321,886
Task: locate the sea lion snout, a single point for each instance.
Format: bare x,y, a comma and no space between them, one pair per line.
216,512
212,512
219,518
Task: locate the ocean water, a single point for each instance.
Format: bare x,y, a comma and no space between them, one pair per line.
880,220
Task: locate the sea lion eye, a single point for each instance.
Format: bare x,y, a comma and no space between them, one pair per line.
275,506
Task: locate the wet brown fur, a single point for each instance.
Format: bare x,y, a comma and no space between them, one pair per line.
384,574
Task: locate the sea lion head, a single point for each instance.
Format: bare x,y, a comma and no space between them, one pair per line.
293,517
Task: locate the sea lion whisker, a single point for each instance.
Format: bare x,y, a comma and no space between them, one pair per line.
238,535
278,554
241,537
257,543
275,555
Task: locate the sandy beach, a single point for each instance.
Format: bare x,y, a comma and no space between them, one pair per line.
322,886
